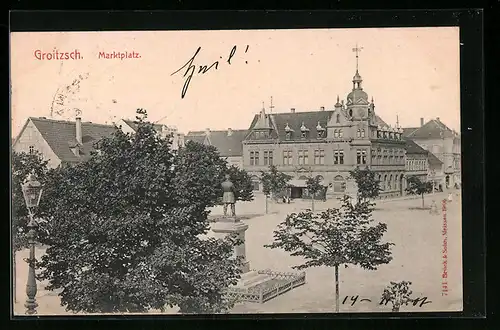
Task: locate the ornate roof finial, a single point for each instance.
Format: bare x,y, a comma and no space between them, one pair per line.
372,99
357,50
338,99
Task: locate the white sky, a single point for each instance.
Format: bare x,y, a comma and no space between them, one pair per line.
410,72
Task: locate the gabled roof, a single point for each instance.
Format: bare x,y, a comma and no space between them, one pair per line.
433,160
413,148
228,145
133,125
433,129
60,135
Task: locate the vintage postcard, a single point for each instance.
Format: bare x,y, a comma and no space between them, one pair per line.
236,171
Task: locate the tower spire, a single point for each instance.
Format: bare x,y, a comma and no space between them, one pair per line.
271,106
397,121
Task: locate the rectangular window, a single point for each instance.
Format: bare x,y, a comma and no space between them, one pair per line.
270,155
256,158
363,157
303,157
287,157
319,157
358,156
252,158
341,157
31,150
266,160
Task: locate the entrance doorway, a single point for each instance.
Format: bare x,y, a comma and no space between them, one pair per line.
296,192
447,181
401,185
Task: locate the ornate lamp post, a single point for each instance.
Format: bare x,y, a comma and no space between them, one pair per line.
32,192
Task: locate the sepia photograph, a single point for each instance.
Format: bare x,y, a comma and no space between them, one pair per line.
236,171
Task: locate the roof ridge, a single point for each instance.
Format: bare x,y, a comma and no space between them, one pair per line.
67,121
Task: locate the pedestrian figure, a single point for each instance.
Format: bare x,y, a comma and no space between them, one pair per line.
434,208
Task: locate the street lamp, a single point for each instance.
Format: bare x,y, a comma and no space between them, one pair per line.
32,192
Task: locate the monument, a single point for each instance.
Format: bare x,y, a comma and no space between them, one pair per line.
253,286
230,224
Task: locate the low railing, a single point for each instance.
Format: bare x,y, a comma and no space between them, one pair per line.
279,283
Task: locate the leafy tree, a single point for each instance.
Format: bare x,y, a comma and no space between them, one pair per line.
242,181
313,187
125,231
416,186
368,185
199,174
274,182
398,294
22,165
335,237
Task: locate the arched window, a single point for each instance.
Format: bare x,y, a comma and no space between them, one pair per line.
302,177
362,133
384,183
390,182
336,133
341,134
338,118
358,133
338,184
350,112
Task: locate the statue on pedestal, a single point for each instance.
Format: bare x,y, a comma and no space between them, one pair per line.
228,197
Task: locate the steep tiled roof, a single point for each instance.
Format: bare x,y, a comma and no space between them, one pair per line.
133,124
408,130
295,120
199,138
433,160
60,135
227,145
413,148
433,129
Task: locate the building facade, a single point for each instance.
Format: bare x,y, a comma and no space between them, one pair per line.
435,137
60,141
417,163
229,143
328,143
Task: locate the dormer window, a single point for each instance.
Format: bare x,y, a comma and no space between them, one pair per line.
288,132
320,130
336,133
338,119
358,133
362,133
341,134
304,130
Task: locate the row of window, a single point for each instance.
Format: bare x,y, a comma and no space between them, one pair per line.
416,165
303,157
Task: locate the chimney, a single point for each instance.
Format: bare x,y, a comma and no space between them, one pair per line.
322,108
421,122
229,132
78,122
207,131
292,110
437,118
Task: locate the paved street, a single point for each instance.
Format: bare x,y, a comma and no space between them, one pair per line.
417,258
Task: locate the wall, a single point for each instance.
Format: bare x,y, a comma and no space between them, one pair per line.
30,136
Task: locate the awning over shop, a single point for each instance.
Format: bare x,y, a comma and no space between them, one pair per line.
302,183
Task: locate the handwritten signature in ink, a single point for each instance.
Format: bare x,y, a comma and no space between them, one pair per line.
191,68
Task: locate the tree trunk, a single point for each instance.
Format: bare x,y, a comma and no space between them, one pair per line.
337,294
14,277
423,201
266,205
395,308
312,202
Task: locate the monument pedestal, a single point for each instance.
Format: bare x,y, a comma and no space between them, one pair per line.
228,225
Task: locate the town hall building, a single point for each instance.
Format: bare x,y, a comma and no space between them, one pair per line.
329,144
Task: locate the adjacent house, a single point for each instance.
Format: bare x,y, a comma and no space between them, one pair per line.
435,137
229,143
60,141
417,163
